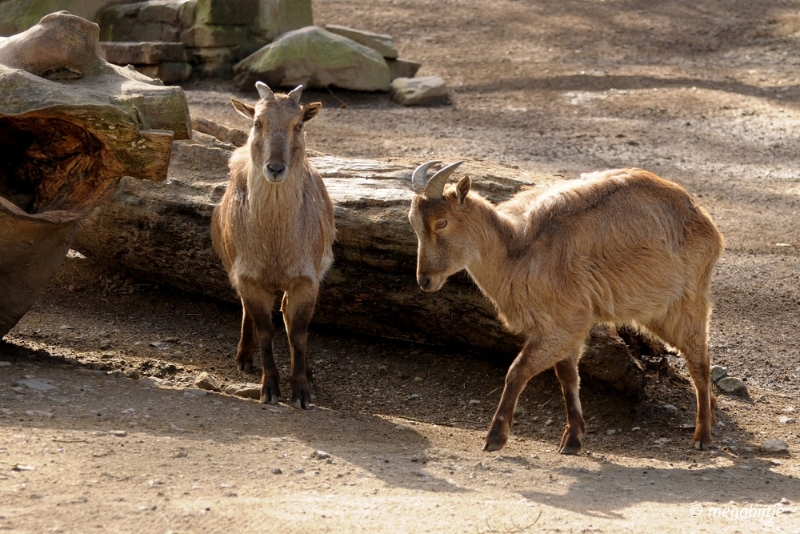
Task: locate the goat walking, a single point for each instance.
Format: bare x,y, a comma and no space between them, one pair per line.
274,230
620,246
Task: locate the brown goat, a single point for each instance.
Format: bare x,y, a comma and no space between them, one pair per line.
273,231
621,246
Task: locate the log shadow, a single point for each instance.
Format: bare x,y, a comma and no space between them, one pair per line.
50,390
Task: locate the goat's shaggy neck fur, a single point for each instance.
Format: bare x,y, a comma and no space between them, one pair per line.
497,238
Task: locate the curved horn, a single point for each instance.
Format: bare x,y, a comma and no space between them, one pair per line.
295,93
435,186
264,91
418,179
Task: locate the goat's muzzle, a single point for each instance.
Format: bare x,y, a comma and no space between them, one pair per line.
429,282
275,171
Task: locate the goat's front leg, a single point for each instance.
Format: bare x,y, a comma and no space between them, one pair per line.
247,343
528,364
567,373
260,310
298,308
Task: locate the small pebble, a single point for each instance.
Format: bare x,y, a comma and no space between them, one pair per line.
774,445
732,386
718,372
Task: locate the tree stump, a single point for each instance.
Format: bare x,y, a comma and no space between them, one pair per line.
71,125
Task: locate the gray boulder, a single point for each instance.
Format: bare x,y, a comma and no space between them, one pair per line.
381,43
315,58
403,68
422,91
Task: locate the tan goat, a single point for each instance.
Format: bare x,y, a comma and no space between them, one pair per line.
273,231
621,246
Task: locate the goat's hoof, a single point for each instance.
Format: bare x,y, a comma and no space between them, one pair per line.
269,399
301,398
700,446
496,438
570,449
245,367
491,447
270,392
494,442
570,444
301,404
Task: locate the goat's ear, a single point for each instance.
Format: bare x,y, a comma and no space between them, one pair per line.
310,110
245,109
462,188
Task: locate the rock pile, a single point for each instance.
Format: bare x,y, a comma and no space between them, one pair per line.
270,40
274,41
215,33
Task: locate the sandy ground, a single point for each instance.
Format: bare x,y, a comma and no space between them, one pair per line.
101,428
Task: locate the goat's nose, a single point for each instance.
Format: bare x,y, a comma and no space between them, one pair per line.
424,281
276,168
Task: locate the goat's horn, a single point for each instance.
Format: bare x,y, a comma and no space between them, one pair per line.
295,93
419,178
264,91
435,187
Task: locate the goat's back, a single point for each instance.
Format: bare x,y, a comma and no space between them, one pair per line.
625,244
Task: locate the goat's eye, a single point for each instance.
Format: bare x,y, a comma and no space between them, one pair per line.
257,125
440,224
299,127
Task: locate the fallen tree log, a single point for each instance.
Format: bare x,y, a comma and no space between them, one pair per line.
160,231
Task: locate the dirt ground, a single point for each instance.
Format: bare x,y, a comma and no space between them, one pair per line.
101,428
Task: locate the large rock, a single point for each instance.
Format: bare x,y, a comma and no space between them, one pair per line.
227,12
208,36
161,232
154,20
276,17
380,42
72,125
142,53
315,58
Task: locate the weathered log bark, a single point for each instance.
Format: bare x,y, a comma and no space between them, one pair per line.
160,231
71,125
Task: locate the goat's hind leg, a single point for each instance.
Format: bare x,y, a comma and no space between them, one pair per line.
688,332
298,308
567,373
